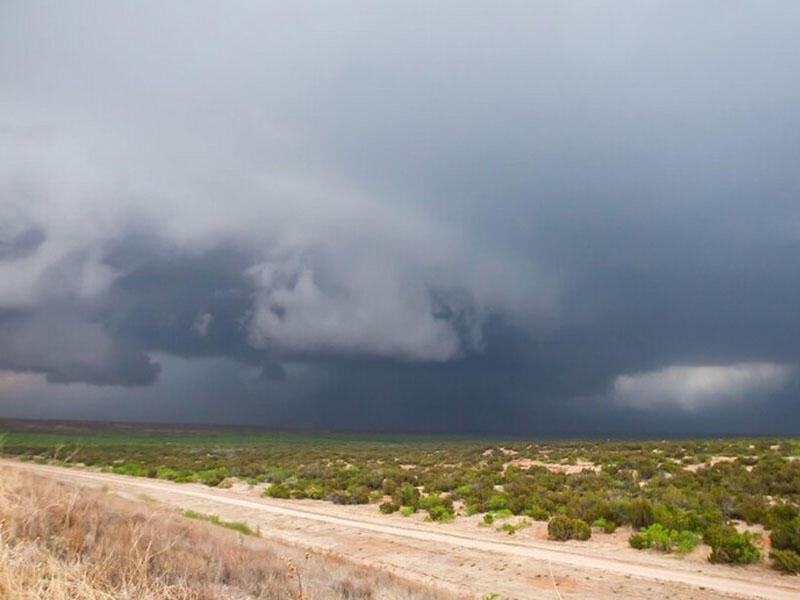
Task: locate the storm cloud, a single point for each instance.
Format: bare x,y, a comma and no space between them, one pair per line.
521,218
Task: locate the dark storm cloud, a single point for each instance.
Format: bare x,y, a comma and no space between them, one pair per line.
67,347
162,301
529,217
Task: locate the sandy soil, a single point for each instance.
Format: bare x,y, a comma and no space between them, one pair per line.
461,556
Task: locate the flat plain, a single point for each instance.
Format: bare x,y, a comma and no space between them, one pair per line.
467,517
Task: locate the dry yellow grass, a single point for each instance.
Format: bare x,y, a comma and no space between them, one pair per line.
60,542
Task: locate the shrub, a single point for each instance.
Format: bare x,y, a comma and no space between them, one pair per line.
605,525
787,561
440,508
786,535
508,528
559,528
388,486
212,477
439,512
659,537
687,541
359,495
780,514
537,513
640,513
463,491
497,502
752,509
388,508
277,490
406,495
729,546
666,540
314,491
341,497
581,530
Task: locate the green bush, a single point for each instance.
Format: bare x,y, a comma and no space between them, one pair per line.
314,491
497,502
581,530
787,561
406,495
729,546
604,524
559,528
277,490
666,540
359,495
440,508
388,486
687,541
440,512
780,514
388,508
537,513
786,535
640,513
212,477
463,491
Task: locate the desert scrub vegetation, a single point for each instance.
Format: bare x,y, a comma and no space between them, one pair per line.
663,539
689,487
785,538
561,528
59,542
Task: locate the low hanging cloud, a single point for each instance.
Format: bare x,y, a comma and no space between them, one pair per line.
370,311
327,270
67,347
695,388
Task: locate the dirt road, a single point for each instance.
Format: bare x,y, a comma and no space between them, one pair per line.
460,556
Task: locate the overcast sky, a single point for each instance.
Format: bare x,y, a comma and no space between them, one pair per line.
506,217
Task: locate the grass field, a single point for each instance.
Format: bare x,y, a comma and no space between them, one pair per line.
674,492
63,542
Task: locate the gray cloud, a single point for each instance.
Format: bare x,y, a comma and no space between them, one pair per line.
695,388
403,214
22,244
67,348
